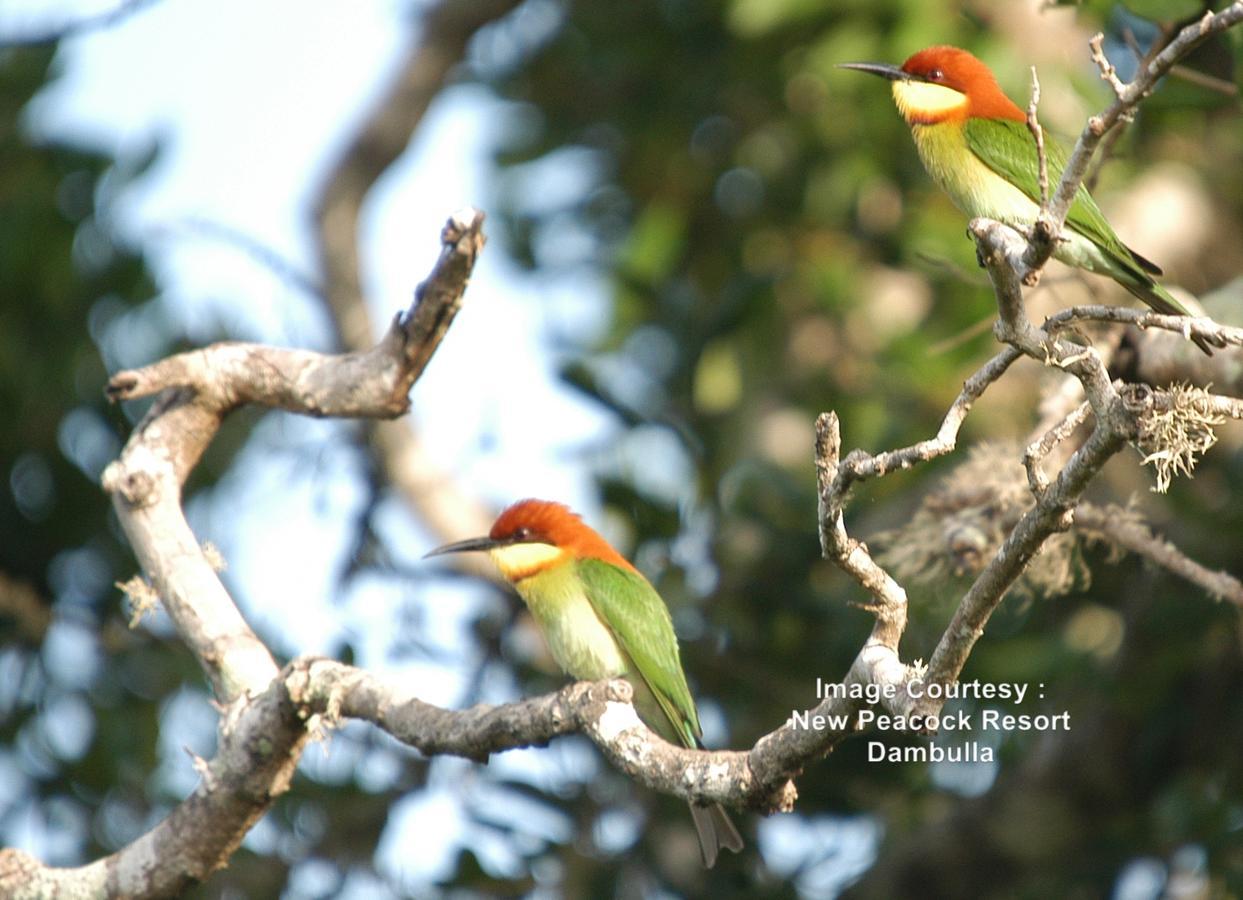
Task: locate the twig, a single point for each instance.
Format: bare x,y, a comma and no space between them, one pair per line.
1033,125
889,599
1039,449
375,383
1138,538
1108,73
1042,235
1188,326
1125,101
860,466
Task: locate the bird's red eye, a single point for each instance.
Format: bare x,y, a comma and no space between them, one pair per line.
936,75
522,534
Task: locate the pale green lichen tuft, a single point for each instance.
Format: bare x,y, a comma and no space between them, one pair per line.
1176,432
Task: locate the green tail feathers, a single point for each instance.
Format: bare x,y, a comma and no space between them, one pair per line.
1164,302
715,830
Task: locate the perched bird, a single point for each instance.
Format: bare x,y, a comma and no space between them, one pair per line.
602,619
975,144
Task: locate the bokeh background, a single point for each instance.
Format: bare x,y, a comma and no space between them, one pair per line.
702,234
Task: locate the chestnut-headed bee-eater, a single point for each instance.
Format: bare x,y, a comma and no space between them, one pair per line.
601,619
975,143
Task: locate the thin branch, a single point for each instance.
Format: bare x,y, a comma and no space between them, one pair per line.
1108,73
374,383
860,466
1188,326
379,141
1039,449
1053,215
1033,125
1139,538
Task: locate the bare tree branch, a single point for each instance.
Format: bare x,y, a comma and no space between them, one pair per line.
1189,327
600,710
1139,538
262,732
1053,215
1108,73
373,383
260,741
1033,125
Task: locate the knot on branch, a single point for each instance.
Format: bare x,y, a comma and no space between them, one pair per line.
136,478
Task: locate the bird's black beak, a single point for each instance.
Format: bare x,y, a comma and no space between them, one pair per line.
888,72
467,546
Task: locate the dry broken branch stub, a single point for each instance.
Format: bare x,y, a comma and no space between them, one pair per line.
381,138
375,383
379,141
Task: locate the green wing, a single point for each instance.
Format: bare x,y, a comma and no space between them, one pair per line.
639,619
1007,147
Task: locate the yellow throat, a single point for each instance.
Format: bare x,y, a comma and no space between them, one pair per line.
925,103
